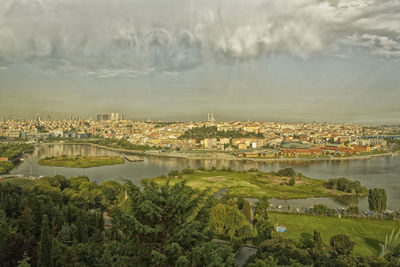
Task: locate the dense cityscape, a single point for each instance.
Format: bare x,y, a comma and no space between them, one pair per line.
251,139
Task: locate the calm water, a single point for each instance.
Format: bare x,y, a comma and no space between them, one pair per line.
381,172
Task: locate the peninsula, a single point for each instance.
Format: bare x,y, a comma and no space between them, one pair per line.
284,184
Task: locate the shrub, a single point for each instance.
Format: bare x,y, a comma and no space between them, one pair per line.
292,181
342,244
287,172
173,173
321,209
187,171
236,243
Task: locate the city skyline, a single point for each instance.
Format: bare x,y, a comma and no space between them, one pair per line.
335,61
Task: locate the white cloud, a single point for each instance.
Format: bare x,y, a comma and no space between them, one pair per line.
172,36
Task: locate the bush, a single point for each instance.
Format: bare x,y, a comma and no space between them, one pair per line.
5,167
173,173
236,243
287,172
292,181
342,244
253,170
187,171
321,209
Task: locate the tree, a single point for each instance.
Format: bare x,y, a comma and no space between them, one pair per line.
45,245
65,235
218,217
245,207
342,244
163,224
353,210
317,240
377,200
287,172
292,181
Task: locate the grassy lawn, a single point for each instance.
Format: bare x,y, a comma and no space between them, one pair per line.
252,184
81,161
366,233
25,184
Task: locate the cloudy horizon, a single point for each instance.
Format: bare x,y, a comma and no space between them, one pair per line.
283,60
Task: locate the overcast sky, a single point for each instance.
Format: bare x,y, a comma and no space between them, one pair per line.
288,60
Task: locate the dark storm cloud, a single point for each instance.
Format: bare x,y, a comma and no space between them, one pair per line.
120,37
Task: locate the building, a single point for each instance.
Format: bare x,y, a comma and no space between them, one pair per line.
211,117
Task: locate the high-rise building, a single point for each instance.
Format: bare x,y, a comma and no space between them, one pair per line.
115,116
102,117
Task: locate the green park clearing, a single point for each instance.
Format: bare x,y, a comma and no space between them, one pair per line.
252,184
81,161
366,233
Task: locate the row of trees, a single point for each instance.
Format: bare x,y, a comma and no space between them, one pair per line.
345,185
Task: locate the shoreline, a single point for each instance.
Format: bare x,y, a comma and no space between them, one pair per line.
224,156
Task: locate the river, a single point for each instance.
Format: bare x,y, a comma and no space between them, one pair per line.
383,172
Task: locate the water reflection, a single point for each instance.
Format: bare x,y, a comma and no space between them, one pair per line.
383,172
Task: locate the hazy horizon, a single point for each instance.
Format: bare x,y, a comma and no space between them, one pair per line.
298,61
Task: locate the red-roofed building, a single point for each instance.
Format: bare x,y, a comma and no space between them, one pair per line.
302,151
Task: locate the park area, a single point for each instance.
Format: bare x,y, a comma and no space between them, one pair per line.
81,161
253,183
365,233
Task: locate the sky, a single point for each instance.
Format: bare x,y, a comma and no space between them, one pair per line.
286,60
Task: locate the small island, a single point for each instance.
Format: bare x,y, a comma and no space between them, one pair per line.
284,184
81,161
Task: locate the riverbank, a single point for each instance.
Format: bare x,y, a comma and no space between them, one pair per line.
252,184
229,157
81,161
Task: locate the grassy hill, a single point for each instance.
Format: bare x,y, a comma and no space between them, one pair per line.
253,184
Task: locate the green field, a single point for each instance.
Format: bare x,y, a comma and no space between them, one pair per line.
366,233
81,161
253,184
21,182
